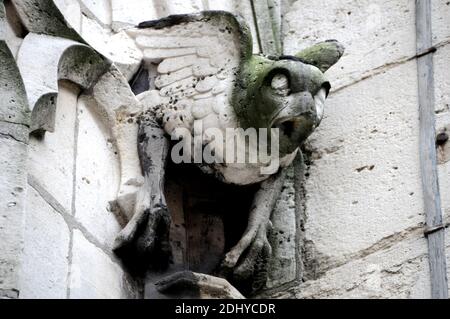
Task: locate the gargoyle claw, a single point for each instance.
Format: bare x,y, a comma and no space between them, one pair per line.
247,261
146,236
156,231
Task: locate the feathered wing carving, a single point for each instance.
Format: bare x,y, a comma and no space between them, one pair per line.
197,58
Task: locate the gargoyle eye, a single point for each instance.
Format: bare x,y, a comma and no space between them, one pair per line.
280,82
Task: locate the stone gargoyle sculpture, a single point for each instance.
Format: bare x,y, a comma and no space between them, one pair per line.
206,77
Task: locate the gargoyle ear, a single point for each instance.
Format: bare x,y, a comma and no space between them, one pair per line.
322,55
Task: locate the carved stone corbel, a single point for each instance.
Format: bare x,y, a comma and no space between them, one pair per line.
44,60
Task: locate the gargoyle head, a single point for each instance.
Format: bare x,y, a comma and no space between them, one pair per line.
286,92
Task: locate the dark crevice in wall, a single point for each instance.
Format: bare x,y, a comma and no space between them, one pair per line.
73,204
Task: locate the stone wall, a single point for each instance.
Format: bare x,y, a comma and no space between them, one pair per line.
364,208
349,225
70,227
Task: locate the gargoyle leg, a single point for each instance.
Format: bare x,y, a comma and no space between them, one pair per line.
146,234
255,236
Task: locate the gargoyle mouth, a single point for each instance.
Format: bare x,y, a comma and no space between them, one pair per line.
289,123
295,126
288,118
289,126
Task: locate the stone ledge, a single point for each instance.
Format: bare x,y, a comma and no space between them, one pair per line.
9,294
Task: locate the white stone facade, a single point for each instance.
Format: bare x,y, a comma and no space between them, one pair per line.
353,228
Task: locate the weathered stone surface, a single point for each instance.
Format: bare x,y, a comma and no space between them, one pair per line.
44,17
440,14
120,109
364,182
442,82
45,263
12,190
401,271
14,122
14,105
184,6
283,264
11,28
94,275
447,251
51,158
98,9
43,60
133,12
191,285
442,99
3,22
97,175
71,11
375,33
118,47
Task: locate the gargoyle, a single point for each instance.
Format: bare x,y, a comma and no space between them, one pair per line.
205,72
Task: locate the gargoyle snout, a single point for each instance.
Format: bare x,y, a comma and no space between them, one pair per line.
319,100
312,83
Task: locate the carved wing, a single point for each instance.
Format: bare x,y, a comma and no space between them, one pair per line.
196,58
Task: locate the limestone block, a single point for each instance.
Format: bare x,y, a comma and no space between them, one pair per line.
39,69
93,274
442,81
3,22
119,47
45,17
71,11
12,190
14,105
442,100
120,109
11,30
184,6
43,60
14,122
51,158
447,251
440,14
97,175
46,251
401,271
99,9
220,5
133,12
375,33
364,183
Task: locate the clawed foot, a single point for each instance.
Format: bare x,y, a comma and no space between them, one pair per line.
247,262
145,239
